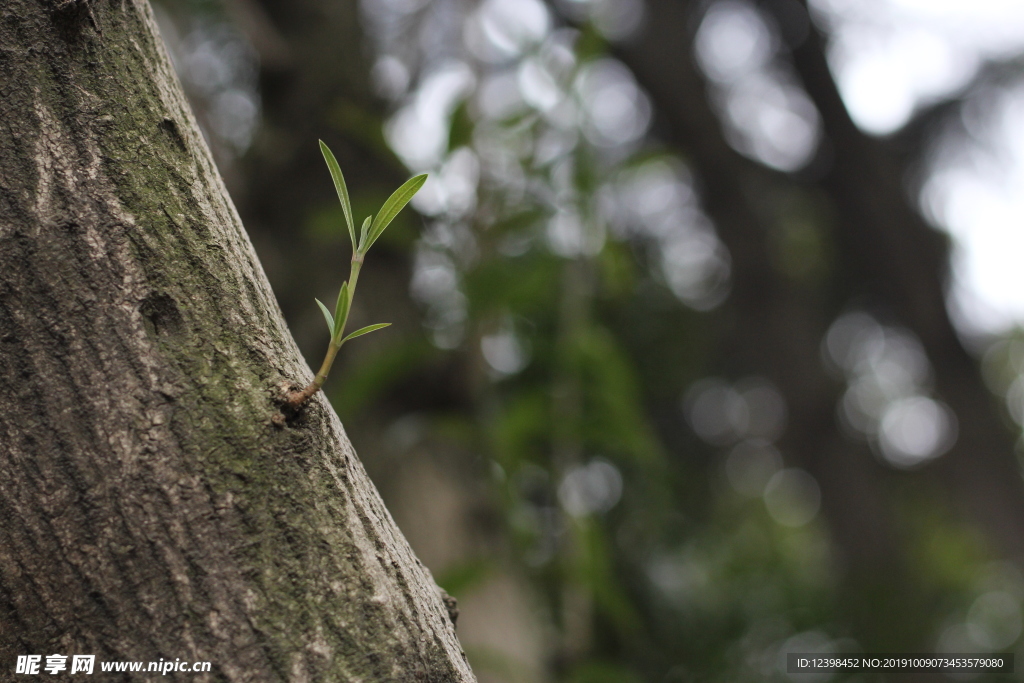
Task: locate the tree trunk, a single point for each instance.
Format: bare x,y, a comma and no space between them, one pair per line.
150,506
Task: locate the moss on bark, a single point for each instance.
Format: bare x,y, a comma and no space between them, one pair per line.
153,509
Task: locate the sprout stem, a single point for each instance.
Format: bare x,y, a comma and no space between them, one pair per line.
297,398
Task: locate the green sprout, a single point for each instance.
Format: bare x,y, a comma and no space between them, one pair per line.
368,234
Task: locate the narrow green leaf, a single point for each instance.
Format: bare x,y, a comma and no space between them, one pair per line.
339,185
362,234
341,311
327,316
395,203
364,330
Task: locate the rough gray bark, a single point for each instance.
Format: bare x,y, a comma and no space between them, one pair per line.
150,508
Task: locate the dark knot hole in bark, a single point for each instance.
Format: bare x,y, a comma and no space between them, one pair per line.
161,316
169,127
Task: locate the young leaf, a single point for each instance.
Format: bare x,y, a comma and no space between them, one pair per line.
341,311
362,234
364,330
339,185
395,203
327,316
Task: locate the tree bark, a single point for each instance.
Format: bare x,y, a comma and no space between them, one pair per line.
151,508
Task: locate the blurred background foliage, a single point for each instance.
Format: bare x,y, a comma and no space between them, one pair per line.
672,387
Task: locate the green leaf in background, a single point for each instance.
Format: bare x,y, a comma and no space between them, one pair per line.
460,132
395,203
327,316
365,330
339,185
520,431
615,416
341,311
594,569
603,672
463,577
380,372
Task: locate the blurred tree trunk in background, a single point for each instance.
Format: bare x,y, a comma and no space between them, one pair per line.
152,508
885,258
